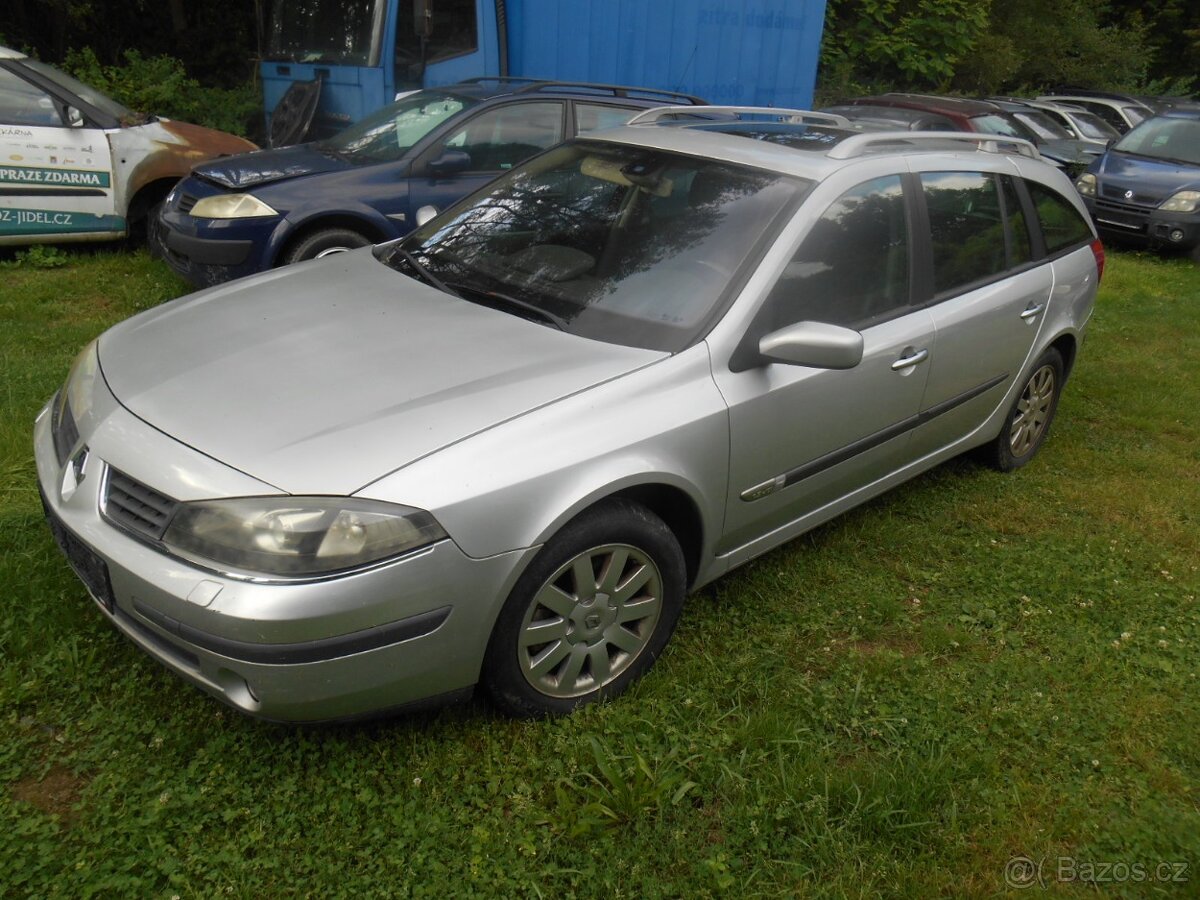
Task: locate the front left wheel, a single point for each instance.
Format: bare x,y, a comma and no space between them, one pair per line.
325,242
590,615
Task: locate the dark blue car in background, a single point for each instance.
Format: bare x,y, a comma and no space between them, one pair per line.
380,178
1146,188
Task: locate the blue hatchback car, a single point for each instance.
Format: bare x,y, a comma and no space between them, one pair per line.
380,178
1146,188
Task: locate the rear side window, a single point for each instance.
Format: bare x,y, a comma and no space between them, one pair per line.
1062,225
966,228
853,266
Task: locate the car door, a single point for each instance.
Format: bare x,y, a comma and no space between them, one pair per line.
56,180
802,437
990,298
486,145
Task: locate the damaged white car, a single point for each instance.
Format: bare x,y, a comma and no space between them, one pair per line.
76,165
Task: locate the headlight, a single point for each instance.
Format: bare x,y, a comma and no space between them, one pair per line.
78,391
231,206
1184,201
298,536
1086,184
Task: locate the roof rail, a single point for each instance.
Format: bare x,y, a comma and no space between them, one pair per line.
858,144
530,85
790,116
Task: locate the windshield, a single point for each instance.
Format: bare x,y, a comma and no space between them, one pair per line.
998,123
1042,125
1174,140
346,32
1135,115
88,95
621,244
391,132
1094,127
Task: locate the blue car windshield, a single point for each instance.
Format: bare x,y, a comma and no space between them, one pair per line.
619,243
390,133
1173,140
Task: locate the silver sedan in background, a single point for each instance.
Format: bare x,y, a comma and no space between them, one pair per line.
500,451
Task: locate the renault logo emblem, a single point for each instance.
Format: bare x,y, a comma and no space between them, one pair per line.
1129,195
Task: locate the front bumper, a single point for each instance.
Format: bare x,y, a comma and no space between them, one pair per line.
1150,227
211,251
340,648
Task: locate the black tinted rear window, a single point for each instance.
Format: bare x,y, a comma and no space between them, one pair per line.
1062,225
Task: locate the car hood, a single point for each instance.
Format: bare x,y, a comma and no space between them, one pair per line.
1151,181
266,166
1069,150
324,376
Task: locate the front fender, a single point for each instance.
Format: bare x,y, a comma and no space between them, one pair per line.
373,223
516,484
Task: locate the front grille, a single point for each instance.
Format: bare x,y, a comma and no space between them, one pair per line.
131,505
63,430
186,202
1116,195
1123,208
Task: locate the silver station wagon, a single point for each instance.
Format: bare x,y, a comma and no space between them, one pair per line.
500,451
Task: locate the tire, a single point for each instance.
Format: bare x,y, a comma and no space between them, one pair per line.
1028,422
155,232
593,637
325,242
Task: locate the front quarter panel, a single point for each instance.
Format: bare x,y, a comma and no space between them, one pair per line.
164,149
516,484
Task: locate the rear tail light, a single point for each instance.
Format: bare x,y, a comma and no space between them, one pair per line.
1098,252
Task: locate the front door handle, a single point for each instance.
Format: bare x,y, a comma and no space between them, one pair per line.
1032,310
905,362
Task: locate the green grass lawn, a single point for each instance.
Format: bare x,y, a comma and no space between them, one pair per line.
973,668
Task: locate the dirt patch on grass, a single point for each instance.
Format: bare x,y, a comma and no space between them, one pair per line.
54,794
895,643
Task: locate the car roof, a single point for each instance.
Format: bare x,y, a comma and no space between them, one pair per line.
7,53
489,88
805,149
961,106
894,115
1071,108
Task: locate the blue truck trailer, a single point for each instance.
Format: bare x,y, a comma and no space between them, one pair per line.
365,52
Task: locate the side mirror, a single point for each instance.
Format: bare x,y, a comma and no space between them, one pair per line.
425,213
422,18
74,117
816,344
449,163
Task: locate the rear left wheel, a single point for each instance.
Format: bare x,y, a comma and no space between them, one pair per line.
590,615
1029,420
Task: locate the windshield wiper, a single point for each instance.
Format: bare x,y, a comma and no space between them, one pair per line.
491,298
421,270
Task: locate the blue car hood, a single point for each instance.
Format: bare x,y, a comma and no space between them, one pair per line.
267,166
1151,180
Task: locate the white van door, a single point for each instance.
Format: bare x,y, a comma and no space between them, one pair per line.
56,181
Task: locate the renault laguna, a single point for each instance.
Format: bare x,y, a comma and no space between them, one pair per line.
500,451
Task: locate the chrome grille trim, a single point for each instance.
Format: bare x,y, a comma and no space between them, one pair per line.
134,507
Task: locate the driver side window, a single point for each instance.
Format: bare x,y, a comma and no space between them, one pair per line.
853,267
23,104
500,138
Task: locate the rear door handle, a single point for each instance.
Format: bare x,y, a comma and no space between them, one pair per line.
1032,310
905,362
